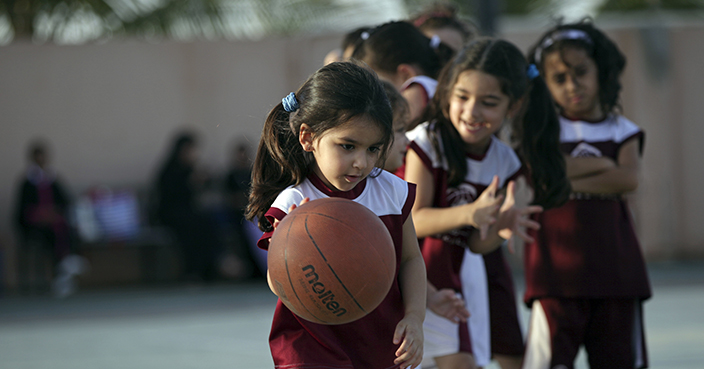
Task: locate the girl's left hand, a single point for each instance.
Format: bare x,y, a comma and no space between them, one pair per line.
448,304
409,333
514,218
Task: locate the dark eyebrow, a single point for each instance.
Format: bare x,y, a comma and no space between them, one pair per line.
348,140
458,89
355,142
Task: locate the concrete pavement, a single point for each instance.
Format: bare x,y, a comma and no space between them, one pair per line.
226,326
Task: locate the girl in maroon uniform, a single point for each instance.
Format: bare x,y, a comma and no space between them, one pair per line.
329,139
401,54
453,158
444,302
585,275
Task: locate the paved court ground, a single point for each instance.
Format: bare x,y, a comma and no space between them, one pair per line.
226,326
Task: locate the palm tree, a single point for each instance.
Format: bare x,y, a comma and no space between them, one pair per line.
73,21
635,5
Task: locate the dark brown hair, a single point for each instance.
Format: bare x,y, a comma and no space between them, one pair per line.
609,60
536,129
392,44
442,14
329,98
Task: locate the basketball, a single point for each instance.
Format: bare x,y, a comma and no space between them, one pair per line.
331,261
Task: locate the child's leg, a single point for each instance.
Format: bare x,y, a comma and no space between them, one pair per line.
446,344
460,360
557,327
509,362
615,338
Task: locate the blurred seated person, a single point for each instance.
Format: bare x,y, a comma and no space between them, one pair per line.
237,184
41,217
178,186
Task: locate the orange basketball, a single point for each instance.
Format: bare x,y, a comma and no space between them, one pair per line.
331,261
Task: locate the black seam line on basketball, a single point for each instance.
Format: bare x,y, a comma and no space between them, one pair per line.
294,289
330,266
288,231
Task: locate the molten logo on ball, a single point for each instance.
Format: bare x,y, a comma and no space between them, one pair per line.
326,297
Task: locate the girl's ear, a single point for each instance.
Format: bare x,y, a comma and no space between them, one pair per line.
515,108
406,71
305,137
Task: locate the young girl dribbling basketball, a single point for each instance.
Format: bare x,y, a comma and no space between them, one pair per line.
328,140
585,276
453,158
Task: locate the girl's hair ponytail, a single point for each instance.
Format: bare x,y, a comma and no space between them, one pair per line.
537,135
330,97
279,163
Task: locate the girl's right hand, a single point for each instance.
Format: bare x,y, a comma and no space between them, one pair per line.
276,224
290,209
485,208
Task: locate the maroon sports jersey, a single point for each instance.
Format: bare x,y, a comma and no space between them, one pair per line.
444,253
588,248
366,343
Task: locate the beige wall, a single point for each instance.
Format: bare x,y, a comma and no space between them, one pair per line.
109,111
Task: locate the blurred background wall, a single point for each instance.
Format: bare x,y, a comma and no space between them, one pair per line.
109,111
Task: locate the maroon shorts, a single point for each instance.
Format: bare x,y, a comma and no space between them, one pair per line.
506,334
611,331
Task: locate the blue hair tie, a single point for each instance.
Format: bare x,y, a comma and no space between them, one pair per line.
290,103
435,42
532,72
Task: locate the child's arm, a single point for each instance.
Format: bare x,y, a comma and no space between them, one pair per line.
413,283
583,167
621,178
430,220
513,220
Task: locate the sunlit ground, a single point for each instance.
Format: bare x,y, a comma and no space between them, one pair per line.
226,326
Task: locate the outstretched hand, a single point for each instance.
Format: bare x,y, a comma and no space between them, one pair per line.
486,207
514,216
447,304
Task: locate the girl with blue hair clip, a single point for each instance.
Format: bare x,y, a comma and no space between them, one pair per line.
459,165
586,279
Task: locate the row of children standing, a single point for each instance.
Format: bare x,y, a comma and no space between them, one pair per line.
556,186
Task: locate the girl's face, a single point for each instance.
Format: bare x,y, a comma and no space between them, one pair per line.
573,80
478,107
397,151
344,155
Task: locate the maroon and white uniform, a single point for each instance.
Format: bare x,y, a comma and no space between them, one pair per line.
446,254
366,343
586,258
428,84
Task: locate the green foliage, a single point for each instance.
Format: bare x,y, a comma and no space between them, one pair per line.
635,5
71,21
518,7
